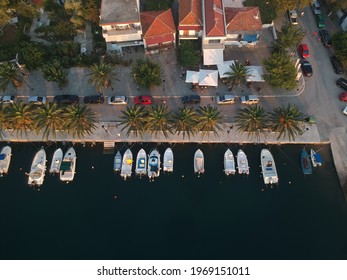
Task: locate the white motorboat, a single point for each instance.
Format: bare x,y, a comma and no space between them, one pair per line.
242,163
168,160
199,162
316,158
127,164
5,160
117,163
268,167
56,161
68,166
153,169
38,169
141,163
229,163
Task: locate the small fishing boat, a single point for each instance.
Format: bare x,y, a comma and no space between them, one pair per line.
127,164
117,163
316,158
153,169
268,167
38,169
5,160
68,166
199,164
141,163
305,163
242,163
168,160
56,161
229,163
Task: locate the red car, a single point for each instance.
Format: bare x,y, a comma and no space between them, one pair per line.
343,96
303,49
143,100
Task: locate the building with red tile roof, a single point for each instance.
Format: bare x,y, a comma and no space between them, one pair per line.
159,30
190,25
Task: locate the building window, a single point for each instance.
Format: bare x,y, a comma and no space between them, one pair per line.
216,41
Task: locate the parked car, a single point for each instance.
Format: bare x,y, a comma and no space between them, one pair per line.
325,38
117,100
342,83
191,99
293,17
337,65
249,99
303,49
316,8
94,99
225,99
320,21
7,99
306,68
143,100
345,111
37,100
343,96
66,99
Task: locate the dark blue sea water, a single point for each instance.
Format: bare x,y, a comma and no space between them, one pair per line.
179,216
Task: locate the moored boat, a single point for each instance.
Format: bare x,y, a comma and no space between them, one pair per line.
38,169
229,163
5,160
68,166
56,161
316,158
305,163
268,167
199,162
127,164
141,163
168,160
153,169
117,162
242,163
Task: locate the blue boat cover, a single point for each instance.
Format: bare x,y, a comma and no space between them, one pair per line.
318,158
2,156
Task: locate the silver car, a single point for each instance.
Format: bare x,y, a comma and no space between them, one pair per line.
225,99
117,100
249,99
37,100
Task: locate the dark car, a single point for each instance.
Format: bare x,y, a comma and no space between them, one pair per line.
66,99
320,21
191,99
325,38
94,99
342,83
337,64
306,68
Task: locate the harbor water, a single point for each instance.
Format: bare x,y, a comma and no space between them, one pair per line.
179,215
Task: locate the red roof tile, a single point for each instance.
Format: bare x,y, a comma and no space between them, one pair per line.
214,18
157,23
190,12
243,19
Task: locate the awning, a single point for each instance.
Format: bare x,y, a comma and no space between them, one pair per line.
249,38
213,56
256,74
192,77
208,78
225,67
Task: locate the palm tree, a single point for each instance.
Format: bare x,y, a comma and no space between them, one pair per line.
238,74
158,119
185,120
252,120
9,73
19,117
79,120
286,121
2,120
209,118
49,119
55,72
133,120
146,73
101,76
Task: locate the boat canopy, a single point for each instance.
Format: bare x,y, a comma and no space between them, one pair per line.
2,156
318,158
65,166
129,161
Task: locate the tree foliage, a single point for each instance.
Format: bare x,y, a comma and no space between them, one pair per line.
146,73
158,120
101,76
184,121
156,5
281,71
238,74
133,120
54,72
340,46
9,73
209,120
32,54
189,54
289,38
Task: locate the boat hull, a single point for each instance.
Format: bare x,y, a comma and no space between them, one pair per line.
117,162
229,163
199,162
38,169
56,161
315,158
306,165
141,163
242,163
68,166
127,164
6,154
168,160
268,167
153,169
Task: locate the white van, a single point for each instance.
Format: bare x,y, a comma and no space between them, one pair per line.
249,99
